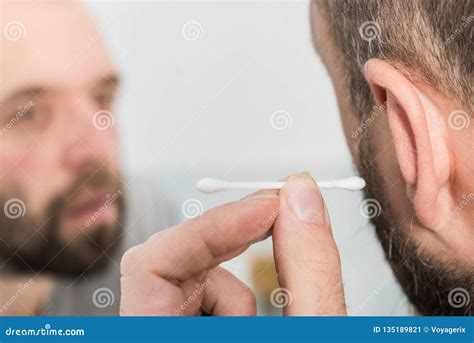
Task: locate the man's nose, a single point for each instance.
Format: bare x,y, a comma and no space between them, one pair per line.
89,134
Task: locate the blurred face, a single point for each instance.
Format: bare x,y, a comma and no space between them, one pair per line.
59,175
434,264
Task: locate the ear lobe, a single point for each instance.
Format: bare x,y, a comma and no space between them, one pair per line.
413,133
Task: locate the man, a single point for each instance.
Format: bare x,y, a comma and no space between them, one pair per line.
417,67
62,197
402,72
176,271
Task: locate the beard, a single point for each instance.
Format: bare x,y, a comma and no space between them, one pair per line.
434,286
37,245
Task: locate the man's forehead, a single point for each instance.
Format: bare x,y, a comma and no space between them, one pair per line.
52,43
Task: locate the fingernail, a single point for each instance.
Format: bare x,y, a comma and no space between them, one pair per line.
262,197
304,199
272,192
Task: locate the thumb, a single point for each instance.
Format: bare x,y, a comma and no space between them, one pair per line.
306,255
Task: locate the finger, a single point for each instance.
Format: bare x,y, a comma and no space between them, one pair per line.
145,294
226,295
219,234
266,191
306,255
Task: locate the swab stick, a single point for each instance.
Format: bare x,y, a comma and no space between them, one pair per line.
210,185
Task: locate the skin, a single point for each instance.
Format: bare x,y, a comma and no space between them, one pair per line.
426,170
49,149
43,154
162,275
426,177
159,279
66,73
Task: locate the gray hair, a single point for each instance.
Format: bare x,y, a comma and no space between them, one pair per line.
430,39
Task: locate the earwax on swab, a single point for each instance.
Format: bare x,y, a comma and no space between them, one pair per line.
210,185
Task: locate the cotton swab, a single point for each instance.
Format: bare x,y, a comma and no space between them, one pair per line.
210,185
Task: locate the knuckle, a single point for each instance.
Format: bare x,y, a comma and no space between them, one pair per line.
248,298
130,260
214,227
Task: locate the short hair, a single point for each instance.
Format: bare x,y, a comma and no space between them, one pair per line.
430,39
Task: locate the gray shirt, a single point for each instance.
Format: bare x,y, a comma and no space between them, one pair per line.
99,295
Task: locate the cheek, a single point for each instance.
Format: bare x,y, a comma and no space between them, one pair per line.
351,126
28,175
110,148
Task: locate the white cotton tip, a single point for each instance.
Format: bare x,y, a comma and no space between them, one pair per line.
353,183
210,185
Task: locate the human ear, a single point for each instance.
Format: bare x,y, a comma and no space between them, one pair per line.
420,138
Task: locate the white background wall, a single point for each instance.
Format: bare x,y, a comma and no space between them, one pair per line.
194,108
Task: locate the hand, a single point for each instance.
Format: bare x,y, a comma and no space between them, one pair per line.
306,255
176,271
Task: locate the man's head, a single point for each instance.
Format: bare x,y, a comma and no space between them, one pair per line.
402,71
60,190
